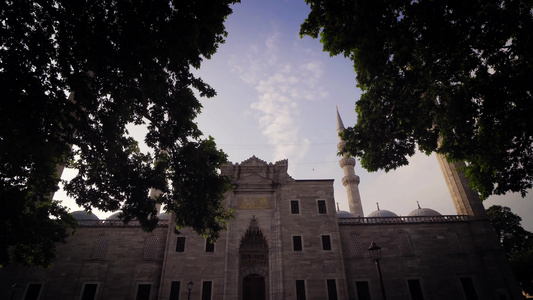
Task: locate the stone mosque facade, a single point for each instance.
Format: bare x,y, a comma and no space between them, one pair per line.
287,241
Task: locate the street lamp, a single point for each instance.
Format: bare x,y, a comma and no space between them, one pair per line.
375,252
189,287
13,290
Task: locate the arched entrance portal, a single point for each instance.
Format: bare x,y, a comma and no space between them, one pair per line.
253,264
253,287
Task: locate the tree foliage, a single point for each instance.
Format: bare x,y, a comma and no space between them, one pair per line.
121,62
453,77
522,265
513,237
516,242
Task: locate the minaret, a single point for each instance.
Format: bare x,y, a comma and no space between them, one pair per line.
350,180
153,194
466,201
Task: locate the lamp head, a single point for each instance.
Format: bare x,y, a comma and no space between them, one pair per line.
375,251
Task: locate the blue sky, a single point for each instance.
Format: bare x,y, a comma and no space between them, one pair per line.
276,99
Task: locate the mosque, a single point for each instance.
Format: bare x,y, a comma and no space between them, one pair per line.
287,241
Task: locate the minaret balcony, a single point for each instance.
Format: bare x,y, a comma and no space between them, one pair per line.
350,180
347,161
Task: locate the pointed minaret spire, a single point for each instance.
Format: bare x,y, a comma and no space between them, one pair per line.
340,125
350,180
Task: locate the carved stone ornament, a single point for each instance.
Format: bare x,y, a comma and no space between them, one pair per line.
253,247
254,259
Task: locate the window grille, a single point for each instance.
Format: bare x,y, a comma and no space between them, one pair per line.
404,244
355,246
453,242
322,207
150,247
295,207
100,246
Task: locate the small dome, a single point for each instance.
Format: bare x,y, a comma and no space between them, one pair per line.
424,212
81,215
113,217
342,214
163,216
381,213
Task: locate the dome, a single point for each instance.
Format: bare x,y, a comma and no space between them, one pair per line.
113,217
424,212
81,215
342,214
163,216
381,213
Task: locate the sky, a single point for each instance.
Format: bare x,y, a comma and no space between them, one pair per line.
277,95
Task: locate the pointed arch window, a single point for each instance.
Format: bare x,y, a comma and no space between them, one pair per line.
100,246
404,244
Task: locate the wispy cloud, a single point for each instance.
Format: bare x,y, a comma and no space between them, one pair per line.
278,110
282,85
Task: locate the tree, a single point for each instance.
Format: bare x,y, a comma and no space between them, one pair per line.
516,242
122,63
513,237
452,77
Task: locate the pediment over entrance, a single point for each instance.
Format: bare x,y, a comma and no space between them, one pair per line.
254,179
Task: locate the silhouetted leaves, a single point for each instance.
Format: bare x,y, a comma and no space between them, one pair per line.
453,77
516,242
122,62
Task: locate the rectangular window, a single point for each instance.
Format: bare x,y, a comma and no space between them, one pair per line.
295,207
332,289
32,291
326,242
297,243
209,246
415,289
468,288
143,292
89,291
175,290
363,292
322,207
206,290
180,244
300,289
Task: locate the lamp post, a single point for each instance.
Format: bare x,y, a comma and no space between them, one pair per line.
375,252
13,290
189,287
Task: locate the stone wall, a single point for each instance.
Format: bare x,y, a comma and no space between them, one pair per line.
117,268
436,254
313,264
